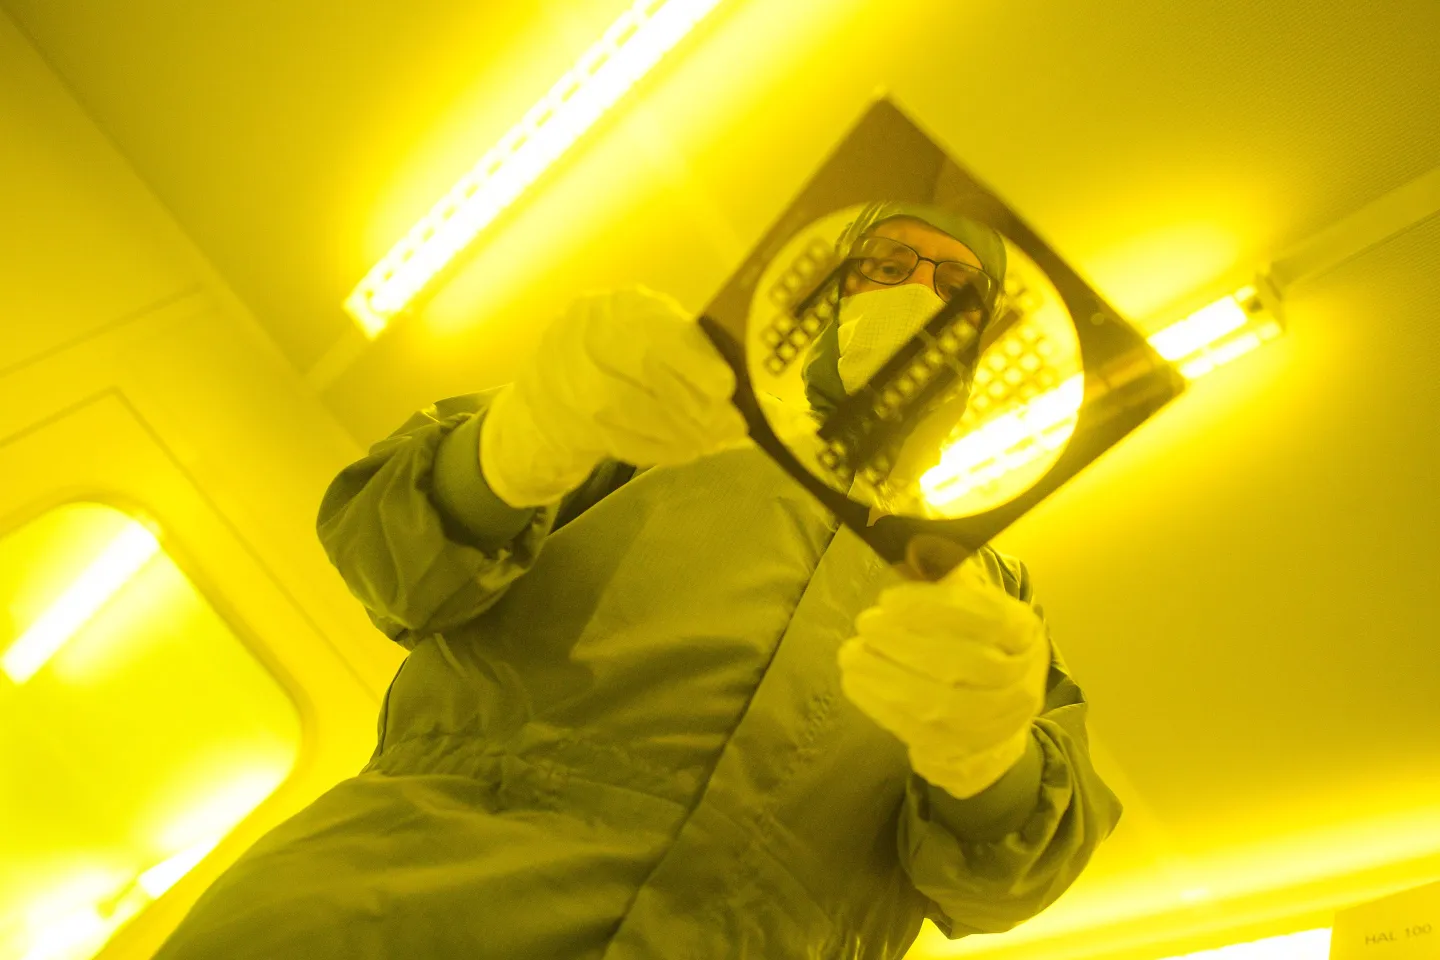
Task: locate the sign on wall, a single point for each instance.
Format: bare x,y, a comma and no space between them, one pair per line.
1404,926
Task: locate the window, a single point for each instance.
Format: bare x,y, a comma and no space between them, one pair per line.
136,729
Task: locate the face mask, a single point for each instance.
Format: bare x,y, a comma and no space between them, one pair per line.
876,323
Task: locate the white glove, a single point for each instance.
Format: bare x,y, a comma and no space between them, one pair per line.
628,375
956,670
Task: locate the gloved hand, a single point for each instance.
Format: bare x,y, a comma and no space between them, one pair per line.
628,375
956,670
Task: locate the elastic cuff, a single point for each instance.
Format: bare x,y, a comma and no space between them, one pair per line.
999,809
462,494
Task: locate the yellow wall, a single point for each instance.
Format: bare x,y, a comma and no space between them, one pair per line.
130,375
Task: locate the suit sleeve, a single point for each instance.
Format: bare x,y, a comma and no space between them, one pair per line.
417,534
991,861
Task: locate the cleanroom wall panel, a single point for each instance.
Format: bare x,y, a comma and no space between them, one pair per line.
209,376
136,728
76,254
131,376
102,449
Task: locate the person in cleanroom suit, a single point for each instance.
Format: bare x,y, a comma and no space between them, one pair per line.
657,703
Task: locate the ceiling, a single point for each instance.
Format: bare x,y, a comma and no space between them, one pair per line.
1247,588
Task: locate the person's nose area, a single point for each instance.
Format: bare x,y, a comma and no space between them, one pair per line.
924,272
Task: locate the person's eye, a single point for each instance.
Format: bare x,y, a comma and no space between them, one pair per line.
946,290
892,270
950,286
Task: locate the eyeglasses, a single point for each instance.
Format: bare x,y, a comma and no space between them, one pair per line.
889,262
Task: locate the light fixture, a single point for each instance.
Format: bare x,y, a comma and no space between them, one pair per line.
78,934
629,48
1216,334
167,873
1014,435
83,930
74,608
1305,945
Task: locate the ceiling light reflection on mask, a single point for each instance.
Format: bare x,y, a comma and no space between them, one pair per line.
1014,435
1004,443
631,46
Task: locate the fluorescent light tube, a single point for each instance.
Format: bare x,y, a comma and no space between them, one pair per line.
74,608
631,46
